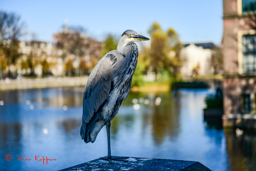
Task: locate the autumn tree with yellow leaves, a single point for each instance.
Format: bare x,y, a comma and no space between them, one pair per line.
164,51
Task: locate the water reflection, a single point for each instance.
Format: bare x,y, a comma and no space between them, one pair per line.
241,150
69,125
162,119
171,128
10,136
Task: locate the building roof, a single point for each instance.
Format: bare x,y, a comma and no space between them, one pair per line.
208,45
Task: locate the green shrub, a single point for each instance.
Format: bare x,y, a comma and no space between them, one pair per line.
213,102
137,79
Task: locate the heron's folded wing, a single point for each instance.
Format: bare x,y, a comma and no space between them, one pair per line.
98,86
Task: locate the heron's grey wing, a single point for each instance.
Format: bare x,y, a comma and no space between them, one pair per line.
97,89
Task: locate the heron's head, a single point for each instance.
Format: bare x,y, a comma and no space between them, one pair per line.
129,36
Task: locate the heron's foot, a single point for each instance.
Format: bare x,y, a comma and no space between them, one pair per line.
114,158
106,158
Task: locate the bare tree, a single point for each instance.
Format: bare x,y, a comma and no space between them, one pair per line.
10,31
71,40
74,42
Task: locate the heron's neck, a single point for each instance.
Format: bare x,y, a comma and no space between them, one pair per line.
121,45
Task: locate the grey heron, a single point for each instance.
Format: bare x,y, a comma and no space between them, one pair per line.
107,86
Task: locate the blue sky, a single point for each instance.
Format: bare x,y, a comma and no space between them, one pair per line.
195,21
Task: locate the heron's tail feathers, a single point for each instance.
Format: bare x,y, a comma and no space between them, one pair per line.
85,132
87,129
89,134
82,130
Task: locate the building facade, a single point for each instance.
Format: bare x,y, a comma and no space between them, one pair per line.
36,53
196,59
239,58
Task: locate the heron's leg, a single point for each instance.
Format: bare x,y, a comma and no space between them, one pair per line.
109,157
108,136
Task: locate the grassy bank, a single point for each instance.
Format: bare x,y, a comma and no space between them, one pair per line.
151,87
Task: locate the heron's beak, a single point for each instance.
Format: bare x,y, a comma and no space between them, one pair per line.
140,37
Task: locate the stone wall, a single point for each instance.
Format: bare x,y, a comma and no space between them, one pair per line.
233,88
42,83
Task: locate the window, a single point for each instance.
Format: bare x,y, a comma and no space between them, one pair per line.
248,5
246,103
249,54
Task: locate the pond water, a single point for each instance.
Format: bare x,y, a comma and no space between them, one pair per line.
41,123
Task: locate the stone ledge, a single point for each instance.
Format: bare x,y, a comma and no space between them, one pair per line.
136,163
